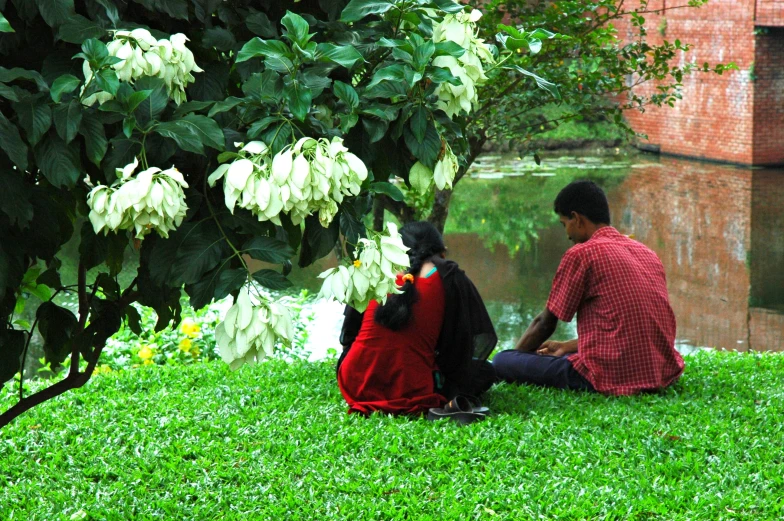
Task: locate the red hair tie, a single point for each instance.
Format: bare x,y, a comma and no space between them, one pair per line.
408,277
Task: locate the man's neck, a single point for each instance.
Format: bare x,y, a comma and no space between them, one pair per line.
593,228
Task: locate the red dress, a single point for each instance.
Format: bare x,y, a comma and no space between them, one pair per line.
392,371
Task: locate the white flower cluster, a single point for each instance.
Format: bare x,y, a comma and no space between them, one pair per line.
143,55
249,332
313,175
152,200
461,29
372,275
422,178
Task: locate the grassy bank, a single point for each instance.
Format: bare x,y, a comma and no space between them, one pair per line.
274,442
566,135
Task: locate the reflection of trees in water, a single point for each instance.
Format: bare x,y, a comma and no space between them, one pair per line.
512,211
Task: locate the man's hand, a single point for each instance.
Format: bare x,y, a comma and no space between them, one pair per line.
555,348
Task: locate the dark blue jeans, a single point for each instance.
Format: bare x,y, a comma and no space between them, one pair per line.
548,371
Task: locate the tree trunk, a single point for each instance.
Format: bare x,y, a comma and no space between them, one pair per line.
440,210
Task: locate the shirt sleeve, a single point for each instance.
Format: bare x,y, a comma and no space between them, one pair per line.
569,286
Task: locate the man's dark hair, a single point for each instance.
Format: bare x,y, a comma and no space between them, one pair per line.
586,198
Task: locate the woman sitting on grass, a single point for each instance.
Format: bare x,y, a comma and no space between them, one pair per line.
425,345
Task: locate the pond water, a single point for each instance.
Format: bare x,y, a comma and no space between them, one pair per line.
719,231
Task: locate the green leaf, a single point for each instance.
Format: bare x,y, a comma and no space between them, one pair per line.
449,48
128,126
56,12
230,281
67,118
393,73
12,144
95,140
423,53
224,105
15,198
155,102
552,88
137,98
182,134
260,24
77,29
268,249
191,106
300,99
449,6
9,75
387,89
263,48
442,75
277,136
346,94
35,117
95,250
8,92
56,326
261,125
375,128
427,151
199,248
219,38
388,189
12,344
296,29
418,123
107,81
420,177
344,55
59,163
133,319
271,279
358,9
63,85
5,27
317,242
210,134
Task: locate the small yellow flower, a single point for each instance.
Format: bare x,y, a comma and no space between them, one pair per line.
148,362
102,369
145,353
189,327
185,345
357,263
195,351
483,221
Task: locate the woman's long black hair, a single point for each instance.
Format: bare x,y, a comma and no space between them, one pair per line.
424,242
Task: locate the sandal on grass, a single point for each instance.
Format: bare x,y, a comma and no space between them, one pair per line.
458,409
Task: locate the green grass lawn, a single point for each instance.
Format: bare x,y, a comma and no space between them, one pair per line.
275,442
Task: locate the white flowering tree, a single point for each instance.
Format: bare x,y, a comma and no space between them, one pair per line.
203,133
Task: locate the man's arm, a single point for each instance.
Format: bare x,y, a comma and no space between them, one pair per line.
555,348
540,330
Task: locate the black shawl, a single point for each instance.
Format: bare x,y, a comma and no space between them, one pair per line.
467,331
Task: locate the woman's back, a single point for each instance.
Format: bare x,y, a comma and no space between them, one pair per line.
392,371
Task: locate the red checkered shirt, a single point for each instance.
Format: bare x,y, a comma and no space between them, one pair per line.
625,325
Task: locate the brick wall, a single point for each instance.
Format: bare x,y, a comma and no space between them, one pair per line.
770,13
769,95
735,117
715,118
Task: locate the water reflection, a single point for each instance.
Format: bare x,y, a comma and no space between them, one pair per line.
719,231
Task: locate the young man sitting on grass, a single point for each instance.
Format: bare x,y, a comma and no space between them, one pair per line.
617,287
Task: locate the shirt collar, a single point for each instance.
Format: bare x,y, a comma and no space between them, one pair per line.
606,231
